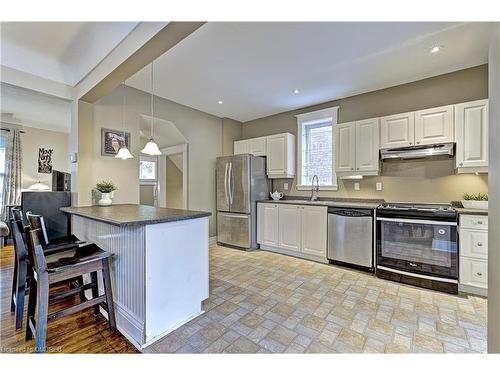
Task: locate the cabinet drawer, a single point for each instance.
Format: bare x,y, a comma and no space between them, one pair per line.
474,272
474,221
474,243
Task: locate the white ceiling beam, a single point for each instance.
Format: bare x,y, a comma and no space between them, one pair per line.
139,36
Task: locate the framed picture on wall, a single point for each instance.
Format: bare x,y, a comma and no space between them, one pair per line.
112,140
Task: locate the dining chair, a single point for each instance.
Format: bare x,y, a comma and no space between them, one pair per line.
57,267
20,274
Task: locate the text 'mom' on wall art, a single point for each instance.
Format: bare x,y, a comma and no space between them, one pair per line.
45,160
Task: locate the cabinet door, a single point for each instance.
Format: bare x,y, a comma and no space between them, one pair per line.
471,122
367,145
289,227
258,146
434,125
267,219
241,147
345,147
313,231
397,130
276,154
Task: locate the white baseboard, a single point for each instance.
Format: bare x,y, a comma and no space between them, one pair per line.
473,290
212,240
294,254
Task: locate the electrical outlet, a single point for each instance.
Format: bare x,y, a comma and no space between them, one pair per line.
378,186
356,186
285,186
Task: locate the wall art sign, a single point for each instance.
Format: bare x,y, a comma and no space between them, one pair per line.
45,160
112,140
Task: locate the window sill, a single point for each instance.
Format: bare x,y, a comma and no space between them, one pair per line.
321,188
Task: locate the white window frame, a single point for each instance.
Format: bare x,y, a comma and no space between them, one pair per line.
148,181
306,118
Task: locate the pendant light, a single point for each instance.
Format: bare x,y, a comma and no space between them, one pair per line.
123,152
151,147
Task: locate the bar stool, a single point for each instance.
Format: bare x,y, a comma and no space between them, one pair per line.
49,246
56,267
20,273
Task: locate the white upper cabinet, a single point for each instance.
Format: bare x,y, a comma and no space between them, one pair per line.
397,130
258,146
434,125
367,145
357,147
471,126
345,147
241,147
281,156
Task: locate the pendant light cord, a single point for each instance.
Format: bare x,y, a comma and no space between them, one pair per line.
123,114
152,99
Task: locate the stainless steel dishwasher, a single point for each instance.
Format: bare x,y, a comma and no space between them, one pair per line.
350,236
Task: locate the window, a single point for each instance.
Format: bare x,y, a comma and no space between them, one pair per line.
147,169
3,145
315,149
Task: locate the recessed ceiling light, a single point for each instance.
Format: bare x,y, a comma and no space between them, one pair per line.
219,102
436,49
296,91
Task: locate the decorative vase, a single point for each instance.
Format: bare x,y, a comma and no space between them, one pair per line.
105,199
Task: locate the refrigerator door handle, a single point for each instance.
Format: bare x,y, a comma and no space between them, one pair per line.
231,183
225,184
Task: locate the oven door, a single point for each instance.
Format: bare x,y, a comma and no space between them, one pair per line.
424,247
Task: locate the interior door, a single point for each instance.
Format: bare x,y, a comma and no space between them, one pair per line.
239,184
222,171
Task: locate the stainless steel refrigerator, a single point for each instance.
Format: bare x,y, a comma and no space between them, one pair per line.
241,182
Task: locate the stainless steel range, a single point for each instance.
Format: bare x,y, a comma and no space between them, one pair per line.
417,244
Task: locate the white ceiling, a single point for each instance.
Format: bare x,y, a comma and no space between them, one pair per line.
254,67
60,51
30,108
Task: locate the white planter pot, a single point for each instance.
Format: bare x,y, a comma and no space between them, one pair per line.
105,199
481,205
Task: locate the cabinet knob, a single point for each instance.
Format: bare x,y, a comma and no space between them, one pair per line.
460,164
352,169
479,221
479,273
357,169
418,143
411,143
479,244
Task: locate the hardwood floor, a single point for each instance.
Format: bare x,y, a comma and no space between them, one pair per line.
83,332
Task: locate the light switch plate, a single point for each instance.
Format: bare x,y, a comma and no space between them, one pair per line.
378,186
356,186
285,186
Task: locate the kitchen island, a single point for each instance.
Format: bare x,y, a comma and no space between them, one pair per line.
159,269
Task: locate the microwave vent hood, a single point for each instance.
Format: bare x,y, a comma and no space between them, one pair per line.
441,150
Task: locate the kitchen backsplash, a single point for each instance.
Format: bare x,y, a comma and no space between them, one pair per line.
416,181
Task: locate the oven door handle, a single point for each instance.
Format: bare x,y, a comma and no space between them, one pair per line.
416,221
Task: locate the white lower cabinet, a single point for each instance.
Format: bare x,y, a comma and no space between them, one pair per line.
289,227
299,230
473,253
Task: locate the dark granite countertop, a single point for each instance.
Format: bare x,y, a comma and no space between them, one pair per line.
457,205
133,214
334,202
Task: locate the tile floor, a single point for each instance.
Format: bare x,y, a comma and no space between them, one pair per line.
262,302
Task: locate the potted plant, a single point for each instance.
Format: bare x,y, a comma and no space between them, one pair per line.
105,188
479,200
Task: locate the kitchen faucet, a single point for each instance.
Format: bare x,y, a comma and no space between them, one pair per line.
314,197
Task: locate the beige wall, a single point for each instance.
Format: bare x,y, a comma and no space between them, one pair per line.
202,131
32,140
231,131
173,183
494,203
425,181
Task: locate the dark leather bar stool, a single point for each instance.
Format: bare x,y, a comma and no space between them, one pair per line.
37,223
57,267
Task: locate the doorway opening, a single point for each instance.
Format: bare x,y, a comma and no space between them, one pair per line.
172,177
148,180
